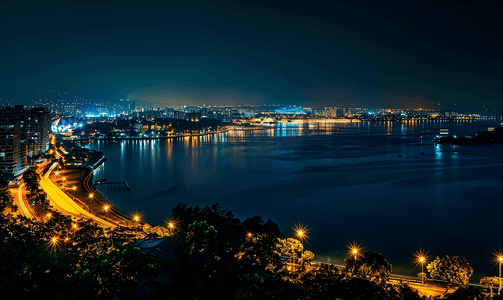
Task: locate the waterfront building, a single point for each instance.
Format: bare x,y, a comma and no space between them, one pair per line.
290,110
37,131
22,134
330,112
13,158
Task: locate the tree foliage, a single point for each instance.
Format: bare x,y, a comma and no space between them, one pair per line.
31,178
251,286
108,272
66,258
307,256
466,293
258,252
454,269
214,256
290,247
201,237
490,282
369,265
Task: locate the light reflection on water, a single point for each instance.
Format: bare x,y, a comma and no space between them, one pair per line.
365,182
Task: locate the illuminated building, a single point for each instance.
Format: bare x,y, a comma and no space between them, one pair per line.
13,158
37,130
22,134
291,110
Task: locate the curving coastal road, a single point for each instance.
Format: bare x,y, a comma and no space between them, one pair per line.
22,204
64,202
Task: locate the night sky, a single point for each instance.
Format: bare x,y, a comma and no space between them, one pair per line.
397,54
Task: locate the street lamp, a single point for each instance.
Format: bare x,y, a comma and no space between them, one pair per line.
171,226
64,178
500,258
354,251
301,233
74,188
106,210
422,261
91,196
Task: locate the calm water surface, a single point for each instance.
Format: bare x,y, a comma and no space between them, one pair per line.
382,185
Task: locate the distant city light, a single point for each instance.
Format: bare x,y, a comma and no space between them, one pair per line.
291,110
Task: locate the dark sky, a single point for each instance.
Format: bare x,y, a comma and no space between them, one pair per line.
311,53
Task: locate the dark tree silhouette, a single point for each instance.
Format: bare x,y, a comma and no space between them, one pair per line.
369,265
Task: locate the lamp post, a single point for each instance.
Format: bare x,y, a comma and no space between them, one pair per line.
301,235
74,188
500,258
91,197
355,252
421,261
106,210
171,226
64,178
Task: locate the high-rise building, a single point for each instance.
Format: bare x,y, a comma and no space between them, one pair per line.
22,134
13,158
38,125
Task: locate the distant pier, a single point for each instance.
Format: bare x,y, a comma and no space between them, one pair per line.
116,183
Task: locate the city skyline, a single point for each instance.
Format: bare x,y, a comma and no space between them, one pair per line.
358,54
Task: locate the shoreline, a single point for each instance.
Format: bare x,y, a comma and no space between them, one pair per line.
166,137
86,183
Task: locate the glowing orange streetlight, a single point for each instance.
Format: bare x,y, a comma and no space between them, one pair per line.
64,178
91,197
354,249
422,260
301,234
500,259
106,207
137,218
171,225
74,188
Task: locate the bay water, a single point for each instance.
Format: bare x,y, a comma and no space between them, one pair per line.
382,185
